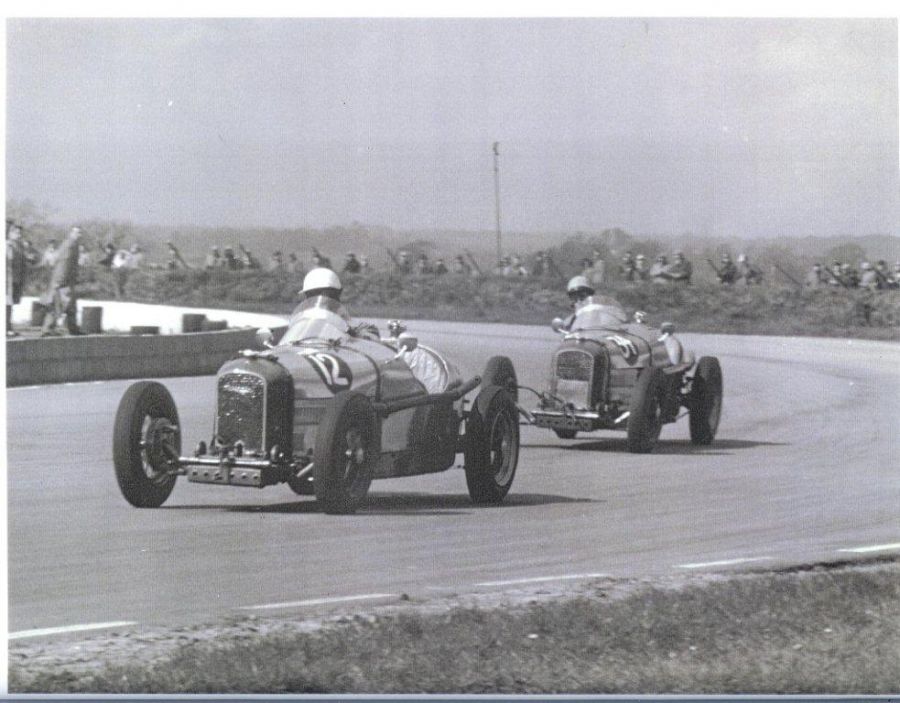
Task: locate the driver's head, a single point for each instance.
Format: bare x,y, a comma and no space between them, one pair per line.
579,288
322,281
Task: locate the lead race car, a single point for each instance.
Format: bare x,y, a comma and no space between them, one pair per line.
327,410
614,374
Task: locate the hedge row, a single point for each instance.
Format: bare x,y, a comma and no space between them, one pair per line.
700,308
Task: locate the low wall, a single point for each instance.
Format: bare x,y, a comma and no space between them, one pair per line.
110,356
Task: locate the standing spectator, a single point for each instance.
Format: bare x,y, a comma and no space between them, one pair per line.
293,264
460,266
229,260
502,267
84,256
61,294
596,271
835,275
514,268
404,265
659,271
109,254
681,269
121,265
627,267
320,260
727,274
440,268
176,260
250,262
539,267
50,255
31,254
747,272
894,279
869,278
213,259
16,271
816,278
423,265
276,262
641,270
364,264
850,276
135,257
351,264
883,273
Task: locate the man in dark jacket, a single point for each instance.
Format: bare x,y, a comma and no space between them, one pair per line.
60,297
16,271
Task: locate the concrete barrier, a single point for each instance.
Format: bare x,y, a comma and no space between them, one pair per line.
110,356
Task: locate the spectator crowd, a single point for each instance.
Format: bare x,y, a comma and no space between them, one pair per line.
63,260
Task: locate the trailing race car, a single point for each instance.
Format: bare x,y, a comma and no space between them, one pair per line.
612,374
326,410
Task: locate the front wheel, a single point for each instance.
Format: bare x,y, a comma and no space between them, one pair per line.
645,420
492,445
146,444
345,453
706,400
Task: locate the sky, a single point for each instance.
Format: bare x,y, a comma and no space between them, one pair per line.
719,127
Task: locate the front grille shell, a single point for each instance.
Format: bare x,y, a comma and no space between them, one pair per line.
255,406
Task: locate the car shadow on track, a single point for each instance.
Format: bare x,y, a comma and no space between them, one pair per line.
398,504
719,447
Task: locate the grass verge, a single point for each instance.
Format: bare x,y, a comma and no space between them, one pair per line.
824,630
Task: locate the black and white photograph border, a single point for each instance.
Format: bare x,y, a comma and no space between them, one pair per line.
492,351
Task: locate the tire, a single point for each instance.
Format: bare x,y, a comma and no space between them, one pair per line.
492,446
566,434
706,400
146,415
500,372
644,422
345,453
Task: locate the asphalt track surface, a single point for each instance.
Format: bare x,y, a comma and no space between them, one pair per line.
805,469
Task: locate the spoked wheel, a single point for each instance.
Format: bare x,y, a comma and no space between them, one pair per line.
345,453
706,400
146,444
492,446
645,420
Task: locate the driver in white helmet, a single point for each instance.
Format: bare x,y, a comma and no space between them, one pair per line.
321,314
591,310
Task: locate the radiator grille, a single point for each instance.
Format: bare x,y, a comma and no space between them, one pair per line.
241,410
573,366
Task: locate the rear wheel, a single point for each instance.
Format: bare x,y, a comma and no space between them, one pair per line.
645,421
566,434
492,445
345,453
706,400
500,371
146,444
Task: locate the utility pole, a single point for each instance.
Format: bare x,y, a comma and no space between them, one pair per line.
497,196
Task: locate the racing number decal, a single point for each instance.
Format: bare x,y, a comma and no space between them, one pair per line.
334,371
629,351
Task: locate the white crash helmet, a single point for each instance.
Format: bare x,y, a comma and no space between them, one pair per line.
579,286
322,281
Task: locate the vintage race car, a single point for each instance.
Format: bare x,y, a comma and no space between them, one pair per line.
610,373
326,410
